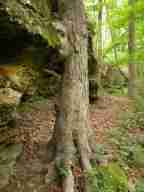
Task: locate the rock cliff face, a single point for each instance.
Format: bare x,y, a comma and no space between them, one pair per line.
34,44
28,36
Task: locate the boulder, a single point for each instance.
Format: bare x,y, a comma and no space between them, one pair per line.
9,96
9,99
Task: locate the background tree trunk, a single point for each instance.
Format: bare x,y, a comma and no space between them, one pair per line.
99,54
131,48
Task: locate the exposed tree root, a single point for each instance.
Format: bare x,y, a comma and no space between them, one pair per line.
66,161
51,150
68,182
84,152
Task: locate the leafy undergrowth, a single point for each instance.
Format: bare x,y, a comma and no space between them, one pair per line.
110,178
119,130
118,154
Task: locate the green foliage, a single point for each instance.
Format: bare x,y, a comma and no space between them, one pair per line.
115,31
140,185
130,147
100,151
133,120
139,107
132,154
62,169
110,178
25,107
28,105
138,156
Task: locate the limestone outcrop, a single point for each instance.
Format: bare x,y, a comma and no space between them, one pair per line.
28,38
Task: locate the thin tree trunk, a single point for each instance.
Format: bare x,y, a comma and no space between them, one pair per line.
131,50
99,52
112,36
114,47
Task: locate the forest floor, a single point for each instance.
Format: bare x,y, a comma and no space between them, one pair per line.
35,127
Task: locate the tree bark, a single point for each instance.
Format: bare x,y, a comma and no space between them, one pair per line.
72,122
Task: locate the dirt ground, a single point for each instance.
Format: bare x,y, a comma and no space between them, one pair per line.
35,126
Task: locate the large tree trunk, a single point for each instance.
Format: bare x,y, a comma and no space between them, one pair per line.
131,47
72,122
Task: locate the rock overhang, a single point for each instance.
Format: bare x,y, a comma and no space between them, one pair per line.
29,17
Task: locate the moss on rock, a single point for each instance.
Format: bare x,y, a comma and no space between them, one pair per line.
33,16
